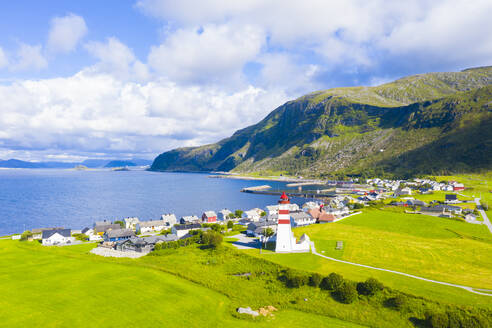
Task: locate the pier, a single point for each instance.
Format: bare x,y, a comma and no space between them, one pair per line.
304,194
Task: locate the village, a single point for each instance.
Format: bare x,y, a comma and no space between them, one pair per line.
272,225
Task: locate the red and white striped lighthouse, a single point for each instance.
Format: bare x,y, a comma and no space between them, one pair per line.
284,232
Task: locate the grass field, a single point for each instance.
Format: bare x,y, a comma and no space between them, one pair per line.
59,287
431,247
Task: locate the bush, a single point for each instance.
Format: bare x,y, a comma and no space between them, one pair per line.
158,246
295,279
346,293
238,213
357,206
437,320
230,224
212,238
26,235
315,279
369,287
332,282
399,302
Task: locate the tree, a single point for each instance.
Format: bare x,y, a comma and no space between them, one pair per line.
437,320
231,216
212,238
121,223
332,282
238,213
295,279
263,213
346,293
268,232
230,224
398,302
357,206
26,235
315,279
369,287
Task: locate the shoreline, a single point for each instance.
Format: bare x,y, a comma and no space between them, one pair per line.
223,175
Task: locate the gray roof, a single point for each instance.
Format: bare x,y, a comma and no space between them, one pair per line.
188,226
85,230
120,233
149,240
262,225
154,223
63,232
106,227
300,215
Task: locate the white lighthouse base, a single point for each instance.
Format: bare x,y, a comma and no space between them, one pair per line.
290,245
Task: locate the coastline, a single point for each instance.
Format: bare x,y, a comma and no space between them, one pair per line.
226,175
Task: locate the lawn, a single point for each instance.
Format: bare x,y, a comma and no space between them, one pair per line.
427,246
59,287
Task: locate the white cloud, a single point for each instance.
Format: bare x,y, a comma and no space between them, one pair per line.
66,32
116,58
29,57
98,113
212,54
3,58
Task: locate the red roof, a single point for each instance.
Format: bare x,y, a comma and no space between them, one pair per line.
284,196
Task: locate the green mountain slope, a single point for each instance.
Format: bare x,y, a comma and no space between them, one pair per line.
428,123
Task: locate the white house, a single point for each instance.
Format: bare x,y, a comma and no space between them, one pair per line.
301,218
131,223
253,214
151,226
169,219
404,191
57,237
224,214
181,230
189,219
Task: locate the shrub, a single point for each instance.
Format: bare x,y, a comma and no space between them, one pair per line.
121,223
238,213
26,235
315,279
346,293
80,236
398,302
295,279
437,320
212,238
230,224
158,246
332,282
369,287
357,206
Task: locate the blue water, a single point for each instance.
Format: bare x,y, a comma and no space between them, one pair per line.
75,199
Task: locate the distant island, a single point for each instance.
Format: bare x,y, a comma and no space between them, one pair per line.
89,163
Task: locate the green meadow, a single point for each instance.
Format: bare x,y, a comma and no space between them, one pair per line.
432,247
67,286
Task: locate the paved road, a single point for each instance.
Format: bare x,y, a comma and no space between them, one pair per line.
245,242
486,220
470,289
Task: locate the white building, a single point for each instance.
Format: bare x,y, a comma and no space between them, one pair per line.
57,237
181,230
253,214
273,209
189,219
169,219
131,223
151,226
224,214
285,240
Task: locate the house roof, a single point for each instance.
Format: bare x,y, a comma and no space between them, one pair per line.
85,230
40,230
120,233
63,232
300,215
325,217
209,213
154,223
451,197
106,227
188,226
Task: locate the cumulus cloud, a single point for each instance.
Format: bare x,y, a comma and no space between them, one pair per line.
116,58
211,53
66,32
29,57
98,113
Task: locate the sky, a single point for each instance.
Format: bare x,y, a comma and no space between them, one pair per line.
127,79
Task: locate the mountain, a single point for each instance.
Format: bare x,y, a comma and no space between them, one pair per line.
427,123
90,163
117,163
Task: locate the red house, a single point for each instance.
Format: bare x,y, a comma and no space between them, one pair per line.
209,217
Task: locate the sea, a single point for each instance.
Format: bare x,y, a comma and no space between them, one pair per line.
37,198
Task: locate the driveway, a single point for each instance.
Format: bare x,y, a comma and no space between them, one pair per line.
245,242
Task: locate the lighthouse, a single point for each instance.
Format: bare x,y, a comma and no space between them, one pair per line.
285,240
